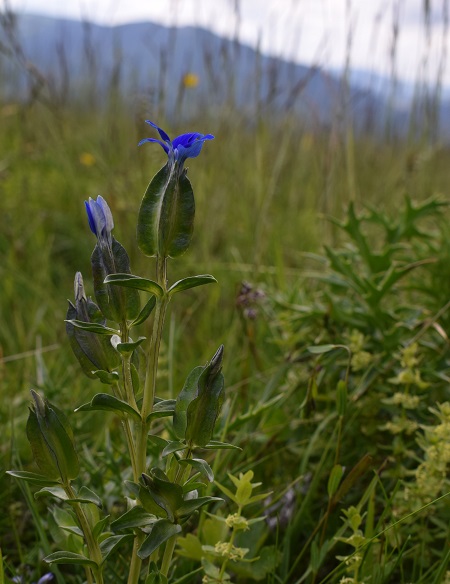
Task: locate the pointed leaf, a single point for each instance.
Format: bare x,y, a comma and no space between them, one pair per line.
200,465
173,447
135,517
145,312
111,543
161,532
69,558
104,401
130,281
192,505
216,445
57,492
186,395
93,327
106,377
319,349
191,282
162,409
31,477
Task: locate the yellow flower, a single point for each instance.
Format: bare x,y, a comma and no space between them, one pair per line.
190,80
87,159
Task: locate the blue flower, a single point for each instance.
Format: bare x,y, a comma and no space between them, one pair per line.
182,147
100,219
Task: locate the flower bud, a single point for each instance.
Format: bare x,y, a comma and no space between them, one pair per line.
94,352
51,440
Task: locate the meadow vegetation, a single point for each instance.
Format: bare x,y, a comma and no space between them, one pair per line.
331,252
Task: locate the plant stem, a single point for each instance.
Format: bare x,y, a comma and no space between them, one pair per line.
168,553
93,549
148,401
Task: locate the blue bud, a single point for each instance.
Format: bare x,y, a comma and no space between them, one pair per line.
100,219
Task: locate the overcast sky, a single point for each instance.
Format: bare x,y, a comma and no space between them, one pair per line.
303,30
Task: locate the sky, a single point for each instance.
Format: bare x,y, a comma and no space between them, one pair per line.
323,32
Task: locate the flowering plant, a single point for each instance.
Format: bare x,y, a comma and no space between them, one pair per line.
164,491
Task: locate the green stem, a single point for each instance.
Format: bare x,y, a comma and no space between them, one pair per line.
93,548
129,436
148,401
168,553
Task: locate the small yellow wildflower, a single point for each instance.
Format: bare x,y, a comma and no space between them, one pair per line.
190,80
87,159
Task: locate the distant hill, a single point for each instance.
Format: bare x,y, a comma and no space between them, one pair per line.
76,60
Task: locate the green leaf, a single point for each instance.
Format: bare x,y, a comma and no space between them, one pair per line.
106,377
145,312
57,492
93,327
200,465
69,558
155,576
85,495
341,397
99,526
335,479
188,507
173,447
215,445
130,281
112,543
193,486
104,401
128,348
115,303
191,282
162,409
31,477
135,517
186,395
166,216
320,349
161,532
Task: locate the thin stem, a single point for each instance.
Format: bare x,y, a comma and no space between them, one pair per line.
168,553
94,551
148,401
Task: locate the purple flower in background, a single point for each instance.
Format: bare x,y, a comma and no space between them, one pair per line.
100,219
182,147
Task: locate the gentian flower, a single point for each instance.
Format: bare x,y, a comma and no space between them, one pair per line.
182,147
100,219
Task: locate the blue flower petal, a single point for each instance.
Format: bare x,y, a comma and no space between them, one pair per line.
109,221
161,132
90,217
163,144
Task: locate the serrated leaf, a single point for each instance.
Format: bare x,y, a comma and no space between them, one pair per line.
31,477
135,517
136,282
191,282
161,532
104,401
69,558
199,465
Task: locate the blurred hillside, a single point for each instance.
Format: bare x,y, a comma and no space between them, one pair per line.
182,72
